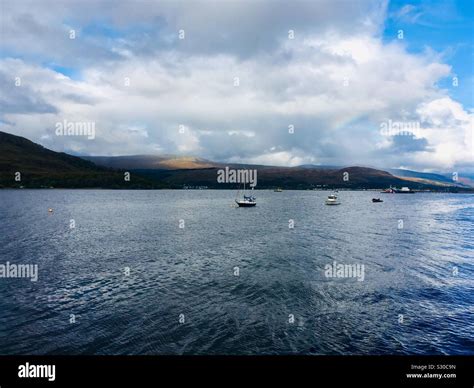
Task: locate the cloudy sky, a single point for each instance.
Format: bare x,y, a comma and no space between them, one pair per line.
271,82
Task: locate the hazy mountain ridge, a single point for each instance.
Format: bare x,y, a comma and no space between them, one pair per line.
271,175
164,162
432,178
292,178
41,167
285,177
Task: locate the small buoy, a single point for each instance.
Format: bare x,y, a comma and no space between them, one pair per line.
50,210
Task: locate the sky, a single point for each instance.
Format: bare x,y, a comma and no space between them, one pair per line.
387,84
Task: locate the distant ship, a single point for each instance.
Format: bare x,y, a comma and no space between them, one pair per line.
394,190
278,190
404,190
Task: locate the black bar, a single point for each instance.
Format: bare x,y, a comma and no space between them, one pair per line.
316,370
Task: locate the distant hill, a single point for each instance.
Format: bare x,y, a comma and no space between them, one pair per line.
177,172
288,178
466,178
165,162
320,166
430,178
40,167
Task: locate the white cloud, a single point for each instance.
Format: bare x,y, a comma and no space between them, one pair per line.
449,128
335,82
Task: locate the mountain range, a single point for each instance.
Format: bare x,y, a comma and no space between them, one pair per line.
40,167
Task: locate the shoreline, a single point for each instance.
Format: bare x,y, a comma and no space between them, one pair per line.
461,191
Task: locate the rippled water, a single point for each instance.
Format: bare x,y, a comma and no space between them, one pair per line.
410,273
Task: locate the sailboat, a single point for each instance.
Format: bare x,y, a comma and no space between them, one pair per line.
246,200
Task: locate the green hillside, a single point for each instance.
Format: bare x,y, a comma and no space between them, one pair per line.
41,168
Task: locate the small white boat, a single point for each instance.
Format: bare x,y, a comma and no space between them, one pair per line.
332,200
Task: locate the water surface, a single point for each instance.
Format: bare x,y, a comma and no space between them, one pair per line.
417,296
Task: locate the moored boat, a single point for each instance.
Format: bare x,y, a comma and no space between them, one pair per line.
247,201
332,200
